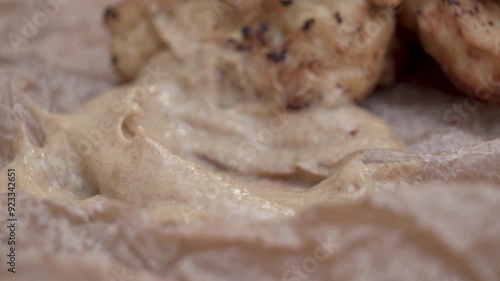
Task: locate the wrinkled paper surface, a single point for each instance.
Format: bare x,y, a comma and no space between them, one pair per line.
440,230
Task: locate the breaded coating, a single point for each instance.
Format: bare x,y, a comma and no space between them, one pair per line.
134,40
463,36
293,52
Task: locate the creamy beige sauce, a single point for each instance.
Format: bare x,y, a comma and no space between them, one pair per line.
184,151
203,130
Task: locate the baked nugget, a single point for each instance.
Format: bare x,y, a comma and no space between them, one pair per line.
463,36
292,52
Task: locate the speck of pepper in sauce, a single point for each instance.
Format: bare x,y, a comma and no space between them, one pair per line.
338,17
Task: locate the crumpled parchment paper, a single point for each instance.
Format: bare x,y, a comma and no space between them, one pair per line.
440,230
